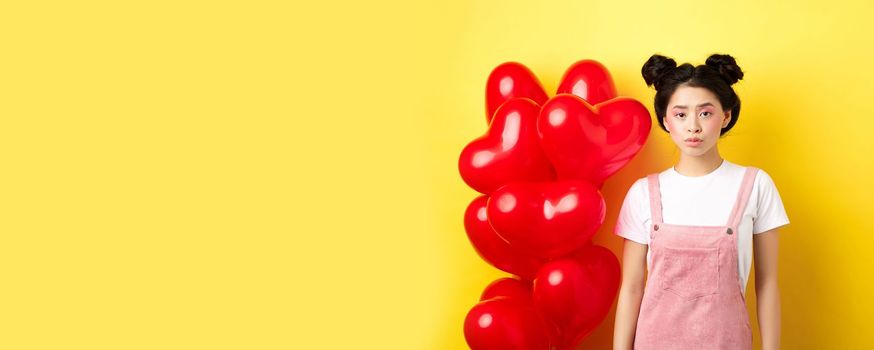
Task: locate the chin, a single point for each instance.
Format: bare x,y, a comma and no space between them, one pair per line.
694,152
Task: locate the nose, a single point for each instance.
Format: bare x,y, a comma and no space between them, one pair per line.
694,127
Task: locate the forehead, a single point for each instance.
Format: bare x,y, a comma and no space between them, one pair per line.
691,97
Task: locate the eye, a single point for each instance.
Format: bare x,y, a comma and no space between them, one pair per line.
708,114
680,115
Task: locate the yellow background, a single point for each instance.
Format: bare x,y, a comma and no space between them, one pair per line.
279,175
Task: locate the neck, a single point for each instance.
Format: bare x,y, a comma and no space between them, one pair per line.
699,165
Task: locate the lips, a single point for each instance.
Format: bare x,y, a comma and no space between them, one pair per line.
692,142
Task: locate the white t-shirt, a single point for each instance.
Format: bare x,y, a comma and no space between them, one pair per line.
704,201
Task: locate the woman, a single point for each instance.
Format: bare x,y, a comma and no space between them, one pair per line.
693,227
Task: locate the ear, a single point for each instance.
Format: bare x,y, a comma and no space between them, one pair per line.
726,119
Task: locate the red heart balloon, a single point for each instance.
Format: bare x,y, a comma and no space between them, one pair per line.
508,80
504,323
576,293
547,219
507,287
509,151
494,249
586,142
589,80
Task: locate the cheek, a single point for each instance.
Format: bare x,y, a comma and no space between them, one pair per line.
713,123
674,126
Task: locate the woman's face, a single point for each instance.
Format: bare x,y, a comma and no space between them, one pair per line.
695,113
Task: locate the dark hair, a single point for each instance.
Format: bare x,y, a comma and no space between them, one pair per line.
717,75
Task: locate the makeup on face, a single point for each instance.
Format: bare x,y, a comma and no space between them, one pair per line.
693,142
699,133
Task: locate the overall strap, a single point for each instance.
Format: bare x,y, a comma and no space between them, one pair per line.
743,195
655,197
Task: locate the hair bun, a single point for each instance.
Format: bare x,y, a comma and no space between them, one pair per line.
655,68
726,66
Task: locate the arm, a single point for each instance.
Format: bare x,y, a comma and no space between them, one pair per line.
767,291
630,294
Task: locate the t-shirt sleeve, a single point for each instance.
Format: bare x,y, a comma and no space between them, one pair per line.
770,213
634,216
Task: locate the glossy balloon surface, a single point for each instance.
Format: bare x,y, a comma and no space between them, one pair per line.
508,80
508,287
505,324
509,151
547,219
589,80
586,142
494,249
576,293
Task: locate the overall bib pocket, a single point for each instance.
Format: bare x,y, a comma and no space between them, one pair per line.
690,272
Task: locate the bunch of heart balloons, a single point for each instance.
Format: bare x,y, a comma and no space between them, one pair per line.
540,166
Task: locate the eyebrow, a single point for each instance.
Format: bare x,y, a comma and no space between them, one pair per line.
699,106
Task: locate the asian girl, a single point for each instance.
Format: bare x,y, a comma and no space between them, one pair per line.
691,231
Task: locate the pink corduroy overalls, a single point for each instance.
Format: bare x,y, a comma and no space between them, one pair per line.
693,298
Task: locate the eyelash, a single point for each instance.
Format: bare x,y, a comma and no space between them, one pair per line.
677,115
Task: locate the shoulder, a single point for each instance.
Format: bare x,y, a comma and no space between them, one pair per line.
763,180
639,188
764,191
767,206
640,184
638,195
